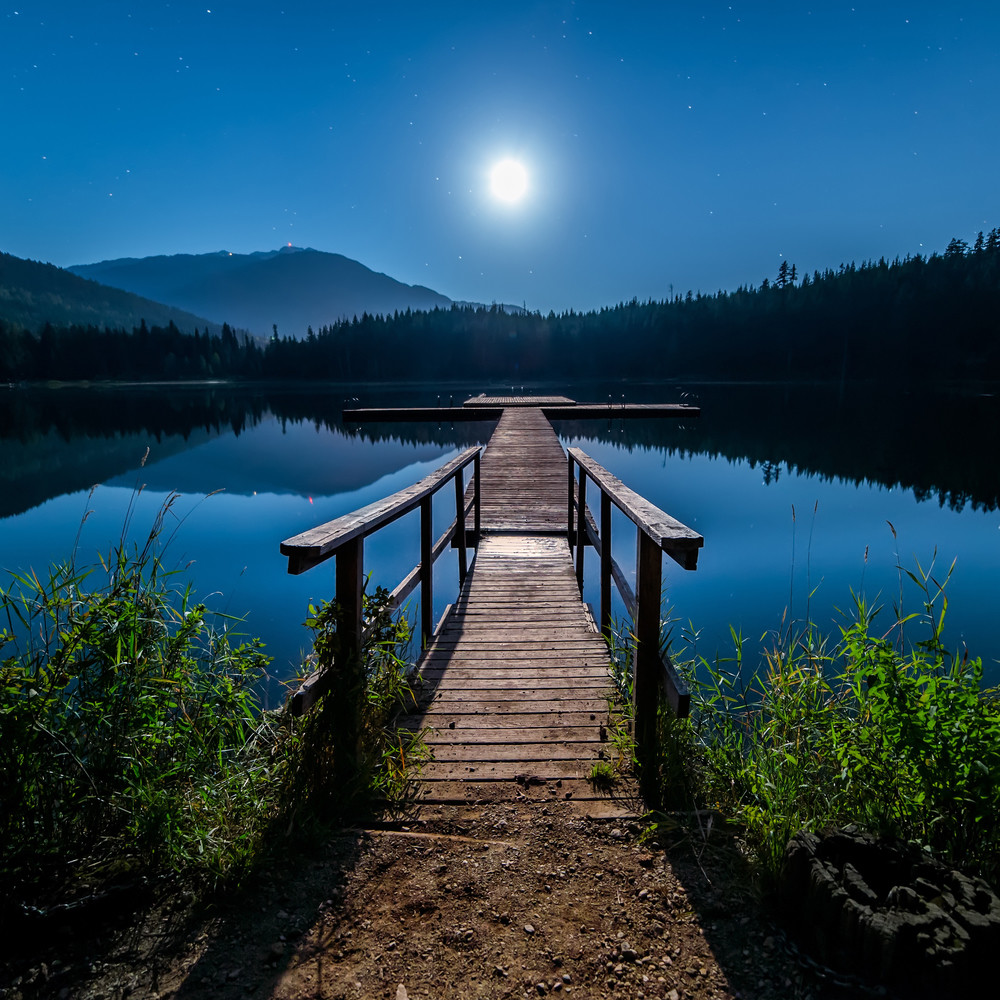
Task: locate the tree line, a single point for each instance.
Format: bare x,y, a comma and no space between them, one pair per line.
919,318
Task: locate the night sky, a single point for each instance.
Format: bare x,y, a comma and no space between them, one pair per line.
668,146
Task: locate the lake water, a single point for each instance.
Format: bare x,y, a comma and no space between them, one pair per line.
791,487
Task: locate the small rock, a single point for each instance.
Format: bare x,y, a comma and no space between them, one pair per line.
401,993
276,951
673,995
541,988
529,929
566,978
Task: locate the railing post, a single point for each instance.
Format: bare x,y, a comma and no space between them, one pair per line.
463,565
346,706
605,564
581,528
475,494
645,685
569,513
426,574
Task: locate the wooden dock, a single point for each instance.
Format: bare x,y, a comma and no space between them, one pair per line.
484,407
524,477
515,688
514,695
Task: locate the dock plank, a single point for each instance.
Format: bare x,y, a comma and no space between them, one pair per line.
515,684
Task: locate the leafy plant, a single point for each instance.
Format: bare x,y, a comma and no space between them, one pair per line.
602,776
383,759
130,731
897,737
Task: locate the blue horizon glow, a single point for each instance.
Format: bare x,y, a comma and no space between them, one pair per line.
670,146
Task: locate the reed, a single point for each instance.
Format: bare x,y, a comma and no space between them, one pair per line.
866,727
132,740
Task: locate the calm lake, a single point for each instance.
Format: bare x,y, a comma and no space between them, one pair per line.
792,487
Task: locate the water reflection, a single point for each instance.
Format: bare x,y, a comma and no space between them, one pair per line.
286,461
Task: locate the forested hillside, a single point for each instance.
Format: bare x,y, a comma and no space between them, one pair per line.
932,318
33,294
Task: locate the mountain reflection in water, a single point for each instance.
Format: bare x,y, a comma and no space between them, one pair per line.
285,460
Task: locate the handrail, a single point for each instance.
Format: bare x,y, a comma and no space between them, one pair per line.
679,541
657,532
344,537
310,548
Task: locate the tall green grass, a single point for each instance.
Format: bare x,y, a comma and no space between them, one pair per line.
874,727
132,738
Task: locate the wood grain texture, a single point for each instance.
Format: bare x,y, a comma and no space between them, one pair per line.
523,486
483,400
514,690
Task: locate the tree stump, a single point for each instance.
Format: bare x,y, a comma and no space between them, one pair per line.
889,913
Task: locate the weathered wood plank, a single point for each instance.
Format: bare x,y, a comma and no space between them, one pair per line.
432,414
480,680
538,736
588,411
505,770
473,753
531,786
509,720
313,546
508,737
513,400
677,539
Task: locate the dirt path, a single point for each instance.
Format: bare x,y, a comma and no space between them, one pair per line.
519,900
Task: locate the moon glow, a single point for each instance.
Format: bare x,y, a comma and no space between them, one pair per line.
509,181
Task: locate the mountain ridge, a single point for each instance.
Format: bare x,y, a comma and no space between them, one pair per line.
291,288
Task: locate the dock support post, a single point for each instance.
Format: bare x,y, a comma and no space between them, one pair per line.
426,574
345,712
605,564
581,538
463,562
569,512
475,494
645,689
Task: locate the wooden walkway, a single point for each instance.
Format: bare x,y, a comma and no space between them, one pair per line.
515,689
524,477
514,696
507,401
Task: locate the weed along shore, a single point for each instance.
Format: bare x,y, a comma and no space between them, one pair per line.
523,798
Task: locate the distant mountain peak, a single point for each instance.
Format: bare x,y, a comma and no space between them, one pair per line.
291,287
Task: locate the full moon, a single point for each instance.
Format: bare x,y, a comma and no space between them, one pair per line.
509,181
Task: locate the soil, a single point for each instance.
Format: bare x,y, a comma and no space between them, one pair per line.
515,899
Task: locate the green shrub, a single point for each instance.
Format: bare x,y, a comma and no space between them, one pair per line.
129,727
132,738
900,739
356,720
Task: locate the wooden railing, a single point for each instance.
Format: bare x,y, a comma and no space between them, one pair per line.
343,539
657,532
